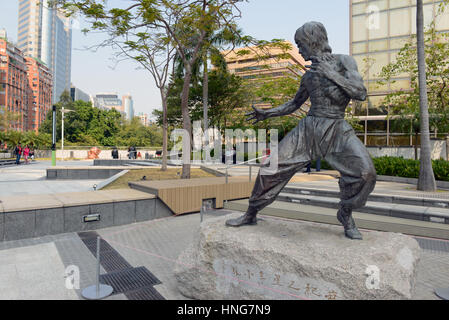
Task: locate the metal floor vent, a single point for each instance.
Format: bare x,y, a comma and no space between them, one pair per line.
433,245
148,293
135,283
110,259
129,279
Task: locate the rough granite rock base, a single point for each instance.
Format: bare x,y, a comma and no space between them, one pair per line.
283,259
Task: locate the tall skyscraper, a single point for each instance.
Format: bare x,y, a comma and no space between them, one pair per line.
45,33
128,105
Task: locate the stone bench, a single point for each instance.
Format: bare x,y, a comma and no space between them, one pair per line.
45,214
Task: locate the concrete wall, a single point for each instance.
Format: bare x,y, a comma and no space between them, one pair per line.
91,173
4,155
439,150
82,154
40,221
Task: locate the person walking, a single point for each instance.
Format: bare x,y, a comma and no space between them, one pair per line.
26,153
18,153
114,153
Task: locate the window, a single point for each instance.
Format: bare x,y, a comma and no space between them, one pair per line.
400,19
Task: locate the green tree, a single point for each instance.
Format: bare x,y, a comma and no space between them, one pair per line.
426,181
6,118
424,105
184,23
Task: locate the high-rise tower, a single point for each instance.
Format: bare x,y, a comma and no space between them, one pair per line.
45,33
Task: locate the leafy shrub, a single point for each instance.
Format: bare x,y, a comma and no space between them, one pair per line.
408,168
400,167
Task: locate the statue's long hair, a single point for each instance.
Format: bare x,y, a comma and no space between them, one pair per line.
314,34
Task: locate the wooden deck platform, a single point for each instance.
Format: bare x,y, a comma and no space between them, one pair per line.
186,196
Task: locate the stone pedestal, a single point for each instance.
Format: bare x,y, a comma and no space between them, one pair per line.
280,259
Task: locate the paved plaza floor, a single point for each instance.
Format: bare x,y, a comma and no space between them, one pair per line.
36,268
40,268
16,180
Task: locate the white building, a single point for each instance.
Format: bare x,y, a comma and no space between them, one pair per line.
46,34
128,106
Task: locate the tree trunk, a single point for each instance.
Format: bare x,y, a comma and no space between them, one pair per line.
416,145
164,134
206,101
186,123
426,181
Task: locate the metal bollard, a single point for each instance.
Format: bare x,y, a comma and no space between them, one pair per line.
98,290
250,169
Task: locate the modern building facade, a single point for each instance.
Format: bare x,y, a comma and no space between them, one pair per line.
108,101
144,119
128,106
40,81
250,67
45,33
78,94
378,30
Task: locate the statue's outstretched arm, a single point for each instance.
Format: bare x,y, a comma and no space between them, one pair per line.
291,106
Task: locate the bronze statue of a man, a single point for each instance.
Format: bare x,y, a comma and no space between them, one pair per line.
330,83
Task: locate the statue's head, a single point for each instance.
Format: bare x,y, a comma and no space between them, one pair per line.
311,40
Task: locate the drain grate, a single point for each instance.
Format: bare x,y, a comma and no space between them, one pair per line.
112,261
135,283
148,293
91,244
129,280
87,234
433,245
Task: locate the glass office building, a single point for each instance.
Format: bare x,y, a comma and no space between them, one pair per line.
378,30
45,33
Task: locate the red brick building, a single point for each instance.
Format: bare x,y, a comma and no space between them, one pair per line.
14,89
40,83
25,87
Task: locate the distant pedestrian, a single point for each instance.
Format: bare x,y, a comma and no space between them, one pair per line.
26,153
18,153
114,153
133,152
32,154
318,166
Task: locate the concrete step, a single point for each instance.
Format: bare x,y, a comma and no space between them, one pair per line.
421,200
415,212
7,162
363,220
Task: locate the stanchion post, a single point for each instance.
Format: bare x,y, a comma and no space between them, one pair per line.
98,290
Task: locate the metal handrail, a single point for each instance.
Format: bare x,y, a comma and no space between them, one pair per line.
239,164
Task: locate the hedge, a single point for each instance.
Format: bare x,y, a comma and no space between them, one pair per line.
400,167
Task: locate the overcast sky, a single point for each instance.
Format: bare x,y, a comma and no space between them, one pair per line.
93,72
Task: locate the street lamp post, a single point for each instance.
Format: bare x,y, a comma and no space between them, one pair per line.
63,112
53,146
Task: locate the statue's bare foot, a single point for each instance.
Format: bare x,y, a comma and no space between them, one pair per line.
344,215
249,218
